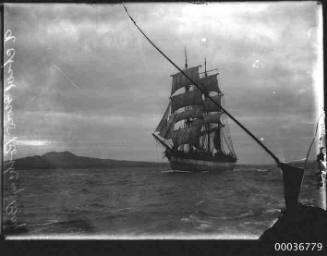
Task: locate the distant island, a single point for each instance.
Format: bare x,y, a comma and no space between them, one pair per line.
68,160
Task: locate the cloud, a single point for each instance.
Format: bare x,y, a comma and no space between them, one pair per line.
32,142
84,71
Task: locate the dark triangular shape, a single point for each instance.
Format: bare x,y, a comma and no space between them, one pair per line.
292,177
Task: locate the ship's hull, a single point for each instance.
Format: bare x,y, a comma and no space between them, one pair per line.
196,165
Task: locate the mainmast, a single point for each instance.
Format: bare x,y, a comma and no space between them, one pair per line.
187,89
208,125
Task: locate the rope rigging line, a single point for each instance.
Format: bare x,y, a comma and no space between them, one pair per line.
312,141
292,176
227,133
227,143
205,93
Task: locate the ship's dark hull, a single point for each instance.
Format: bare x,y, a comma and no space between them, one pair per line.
197,165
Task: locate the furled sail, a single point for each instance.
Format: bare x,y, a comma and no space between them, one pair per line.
179,80
210,106
209,83
186,99
187,135
194,112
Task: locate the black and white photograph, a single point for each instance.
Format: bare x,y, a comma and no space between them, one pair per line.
186,120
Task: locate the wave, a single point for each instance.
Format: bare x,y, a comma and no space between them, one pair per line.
272,211
66,226
96,204
262,170
199,202
252,213
240,216
204,226
194,218
50,222
10,229
175,171
199,224
244,170
253,169
123,209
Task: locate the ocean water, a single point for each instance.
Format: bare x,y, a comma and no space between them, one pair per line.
152,202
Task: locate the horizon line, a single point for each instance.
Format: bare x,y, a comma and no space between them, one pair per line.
146,161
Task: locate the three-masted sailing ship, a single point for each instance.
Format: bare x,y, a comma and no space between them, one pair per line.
194,130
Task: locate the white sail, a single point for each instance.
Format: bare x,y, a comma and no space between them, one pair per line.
210,106
180,80
163,121
188,135
212,117
194,112
186,99
165,125
209,83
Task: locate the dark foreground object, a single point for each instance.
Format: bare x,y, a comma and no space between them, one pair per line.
302,224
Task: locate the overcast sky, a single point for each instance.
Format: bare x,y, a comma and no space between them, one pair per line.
88,82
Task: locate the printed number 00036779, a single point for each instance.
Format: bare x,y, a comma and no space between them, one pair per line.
298,247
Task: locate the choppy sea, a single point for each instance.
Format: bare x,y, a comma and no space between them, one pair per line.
153,202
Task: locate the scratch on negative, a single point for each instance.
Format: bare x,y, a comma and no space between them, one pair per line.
66,76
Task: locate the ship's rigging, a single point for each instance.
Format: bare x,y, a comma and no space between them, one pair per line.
191,122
